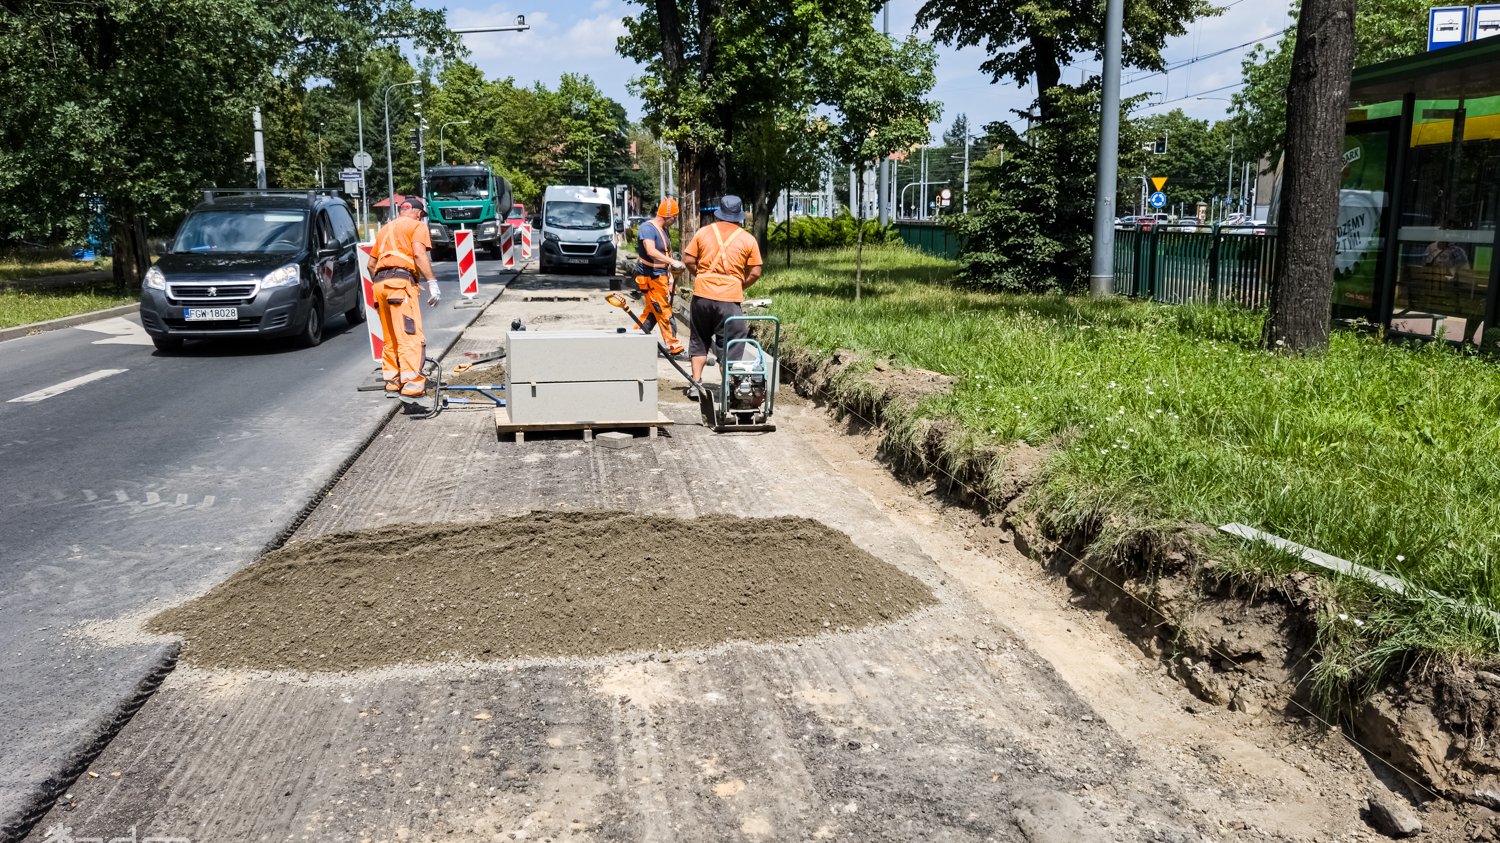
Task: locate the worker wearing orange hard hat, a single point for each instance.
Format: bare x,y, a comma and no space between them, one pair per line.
654,270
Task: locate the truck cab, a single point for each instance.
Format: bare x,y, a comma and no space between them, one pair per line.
472,197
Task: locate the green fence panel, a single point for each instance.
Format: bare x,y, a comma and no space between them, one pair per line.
934,238
1178,267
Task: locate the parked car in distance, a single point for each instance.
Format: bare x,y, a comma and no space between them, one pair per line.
255,263
1149,222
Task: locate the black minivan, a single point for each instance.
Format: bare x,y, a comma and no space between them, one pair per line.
255,263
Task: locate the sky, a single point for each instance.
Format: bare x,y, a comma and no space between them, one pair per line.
578,36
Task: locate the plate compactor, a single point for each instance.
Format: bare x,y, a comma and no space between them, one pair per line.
747,386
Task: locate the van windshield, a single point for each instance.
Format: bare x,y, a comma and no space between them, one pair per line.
583,216
242,231
444,188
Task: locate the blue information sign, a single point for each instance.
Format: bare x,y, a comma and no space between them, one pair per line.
1158,200
1447,26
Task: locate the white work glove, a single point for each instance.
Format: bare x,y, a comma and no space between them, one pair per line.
432,293
678,266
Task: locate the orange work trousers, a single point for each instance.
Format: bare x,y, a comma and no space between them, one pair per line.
398,301
658,296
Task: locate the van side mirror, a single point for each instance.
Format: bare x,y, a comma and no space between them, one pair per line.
619,225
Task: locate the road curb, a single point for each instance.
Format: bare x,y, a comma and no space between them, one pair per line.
45,795
66,321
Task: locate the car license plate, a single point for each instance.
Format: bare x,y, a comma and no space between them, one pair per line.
210,314
577,260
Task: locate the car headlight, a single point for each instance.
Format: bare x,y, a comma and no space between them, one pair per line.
435,231
606,238
286,276
547,235
155,280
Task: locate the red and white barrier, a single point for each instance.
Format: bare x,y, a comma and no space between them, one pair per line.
372,317
525,241
468,270
508,247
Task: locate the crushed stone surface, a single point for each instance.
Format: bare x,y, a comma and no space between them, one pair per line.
538,585
477,376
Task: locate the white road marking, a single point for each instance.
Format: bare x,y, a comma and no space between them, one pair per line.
121,331
44,394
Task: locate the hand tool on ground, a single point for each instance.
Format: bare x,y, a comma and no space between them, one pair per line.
469,364
705,401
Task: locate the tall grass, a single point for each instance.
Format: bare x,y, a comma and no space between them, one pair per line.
1385,455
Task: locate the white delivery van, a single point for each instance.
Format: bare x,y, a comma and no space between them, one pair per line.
578,229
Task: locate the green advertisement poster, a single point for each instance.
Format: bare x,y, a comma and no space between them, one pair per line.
1362,202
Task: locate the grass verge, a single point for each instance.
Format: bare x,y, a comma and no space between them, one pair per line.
1385,455
22,307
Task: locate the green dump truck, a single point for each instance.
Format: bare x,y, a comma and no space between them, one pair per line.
469,196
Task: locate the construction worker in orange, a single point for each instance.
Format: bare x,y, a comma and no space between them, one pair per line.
653,272
398,262
726,260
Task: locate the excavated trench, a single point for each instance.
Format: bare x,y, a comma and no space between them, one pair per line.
544,584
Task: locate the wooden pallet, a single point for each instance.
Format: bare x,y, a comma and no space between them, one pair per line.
504,425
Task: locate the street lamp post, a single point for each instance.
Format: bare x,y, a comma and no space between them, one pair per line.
1102,265
442,154
390,165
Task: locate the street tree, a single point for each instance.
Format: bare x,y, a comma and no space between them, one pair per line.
878,90
1317,99
705,89
1038,38
1387,30
144,101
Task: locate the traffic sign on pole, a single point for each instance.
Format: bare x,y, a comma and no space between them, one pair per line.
1158,200
1158,183
362,160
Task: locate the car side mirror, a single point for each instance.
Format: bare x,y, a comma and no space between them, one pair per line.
328,252
162,246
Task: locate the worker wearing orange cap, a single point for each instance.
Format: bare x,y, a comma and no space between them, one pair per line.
653,272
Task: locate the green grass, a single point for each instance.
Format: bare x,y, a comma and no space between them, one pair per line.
31,292
21,268
22,307
1385,455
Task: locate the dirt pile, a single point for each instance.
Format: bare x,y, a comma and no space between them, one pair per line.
544,584
478,376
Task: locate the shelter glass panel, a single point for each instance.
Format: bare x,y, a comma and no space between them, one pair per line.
1446,237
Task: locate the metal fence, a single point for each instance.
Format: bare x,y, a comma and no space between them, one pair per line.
1226,263
934,238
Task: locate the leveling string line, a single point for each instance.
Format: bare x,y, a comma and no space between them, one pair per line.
1153,609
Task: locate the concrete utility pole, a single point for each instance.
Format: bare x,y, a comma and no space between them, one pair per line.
966,171
884,188
260,152
390,163
1102,275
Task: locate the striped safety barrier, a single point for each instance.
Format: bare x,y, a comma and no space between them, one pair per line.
525,241
507,248
468,269
372,318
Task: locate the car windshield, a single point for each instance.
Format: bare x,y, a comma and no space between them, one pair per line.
515,214
242,230
584,216
476,186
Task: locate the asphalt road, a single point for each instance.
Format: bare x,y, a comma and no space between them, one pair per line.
132,479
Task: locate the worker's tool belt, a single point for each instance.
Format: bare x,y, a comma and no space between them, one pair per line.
394,272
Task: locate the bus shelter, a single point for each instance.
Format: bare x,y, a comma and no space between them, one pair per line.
1420,196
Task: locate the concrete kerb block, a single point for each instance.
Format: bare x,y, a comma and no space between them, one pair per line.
614,439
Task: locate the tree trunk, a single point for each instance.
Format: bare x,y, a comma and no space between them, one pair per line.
1317,99
761,203
128,231
1048,74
